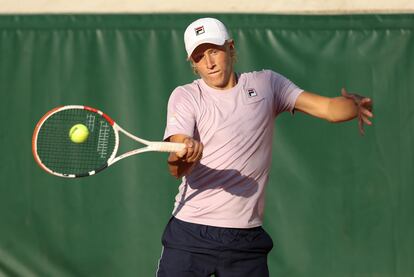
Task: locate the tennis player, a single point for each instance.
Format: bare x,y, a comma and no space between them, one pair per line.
226,120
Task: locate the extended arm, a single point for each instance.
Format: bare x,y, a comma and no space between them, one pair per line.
337,109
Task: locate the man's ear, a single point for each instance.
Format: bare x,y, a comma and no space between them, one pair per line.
231,44
232,49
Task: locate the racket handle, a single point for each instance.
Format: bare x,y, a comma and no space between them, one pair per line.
167,146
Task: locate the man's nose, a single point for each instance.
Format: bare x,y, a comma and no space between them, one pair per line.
209,62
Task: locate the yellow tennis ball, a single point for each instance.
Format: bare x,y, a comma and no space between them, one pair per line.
78,133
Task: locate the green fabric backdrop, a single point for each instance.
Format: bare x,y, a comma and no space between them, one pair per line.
338,204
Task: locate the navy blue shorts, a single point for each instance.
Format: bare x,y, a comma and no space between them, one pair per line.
199,251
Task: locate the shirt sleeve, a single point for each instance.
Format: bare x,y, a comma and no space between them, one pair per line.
180,114
285,92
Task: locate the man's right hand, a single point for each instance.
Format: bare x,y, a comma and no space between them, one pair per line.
192,152
182,162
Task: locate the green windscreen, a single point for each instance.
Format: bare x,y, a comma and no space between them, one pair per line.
337,204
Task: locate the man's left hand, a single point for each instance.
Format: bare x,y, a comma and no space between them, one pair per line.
364,106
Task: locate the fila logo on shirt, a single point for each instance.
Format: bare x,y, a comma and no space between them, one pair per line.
199,30
251,92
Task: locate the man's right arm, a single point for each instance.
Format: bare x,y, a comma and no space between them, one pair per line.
181,163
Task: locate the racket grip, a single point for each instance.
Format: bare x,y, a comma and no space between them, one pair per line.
167,146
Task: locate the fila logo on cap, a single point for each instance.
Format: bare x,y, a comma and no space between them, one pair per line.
251,92
204,30
199,30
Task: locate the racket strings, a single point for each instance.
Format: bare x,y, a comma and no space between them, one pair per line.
58,153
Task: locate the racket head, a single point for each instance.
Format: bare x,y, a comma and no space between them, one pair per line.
54,151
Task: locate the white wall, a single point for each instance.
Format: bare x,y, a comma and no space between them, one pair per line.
226,6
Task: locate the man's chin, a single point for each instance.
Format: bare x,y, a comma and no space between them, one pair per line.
213,83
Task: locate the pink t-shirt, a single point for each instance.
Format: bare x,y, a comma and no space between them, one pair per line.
226,188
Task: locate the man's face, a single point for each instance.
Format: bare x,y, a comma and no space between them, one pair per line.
214,64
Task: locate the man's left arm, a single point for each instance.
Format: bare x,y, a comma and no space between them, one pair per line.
337,109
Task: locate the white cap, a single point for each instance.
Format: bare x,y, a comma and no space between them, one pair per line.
204,30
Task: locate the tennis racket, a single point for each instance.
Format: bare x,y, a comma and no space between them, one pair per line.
57,154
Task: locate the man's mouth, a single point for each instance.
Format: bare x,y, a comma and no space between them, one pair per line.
214,72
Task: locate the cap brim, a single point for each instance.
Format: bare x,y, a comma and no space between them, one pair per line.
215,41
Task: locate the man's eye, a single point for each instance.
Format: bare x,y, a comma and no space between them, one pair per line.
197,58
